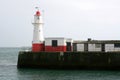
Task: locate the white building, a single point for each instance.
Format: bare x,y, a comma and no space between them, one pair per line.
97,46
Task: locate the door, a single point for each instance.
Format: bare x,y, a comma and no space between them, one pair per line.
86,47
74,47
68,46
103,47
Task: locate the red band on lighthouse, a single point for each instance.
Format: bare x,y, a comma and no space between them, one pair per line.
37,47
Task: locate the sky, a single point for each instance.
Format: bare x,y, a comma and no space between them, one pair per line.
76,19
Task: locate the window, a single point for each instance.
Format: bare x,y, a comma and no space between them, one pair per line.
97,45
117,45
38,18
54,43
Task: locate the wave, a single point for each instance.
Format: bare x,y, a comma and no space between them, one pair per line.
7,63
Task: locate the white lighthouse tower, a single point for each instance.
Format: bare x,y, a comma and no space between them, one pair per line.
38,39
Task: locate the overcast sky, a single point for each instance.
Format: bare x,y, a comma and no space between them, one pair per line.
77,19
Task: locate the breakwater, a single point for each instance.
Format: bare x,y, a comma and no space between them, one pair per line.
69,60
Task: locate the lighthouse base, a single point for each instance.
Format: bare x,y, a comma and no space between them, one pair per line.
37,47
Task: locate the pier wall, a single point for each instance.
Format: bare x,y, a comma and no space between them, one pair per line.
69,60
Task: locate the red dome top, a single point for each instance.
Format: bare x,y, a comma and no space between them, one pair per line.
38,13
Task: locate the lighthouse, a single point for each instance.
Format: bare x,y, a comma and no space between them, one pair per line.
38,39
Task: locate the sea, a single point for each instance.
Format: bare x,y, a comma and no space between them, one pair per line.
9,70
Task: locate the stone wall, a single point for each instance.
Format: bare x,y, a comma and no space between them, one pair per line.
69,60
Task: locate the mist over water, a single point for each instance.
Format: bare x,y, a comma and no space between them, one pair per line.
9,71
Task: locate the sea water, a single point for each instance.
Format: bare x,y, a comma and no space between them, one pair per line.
9,71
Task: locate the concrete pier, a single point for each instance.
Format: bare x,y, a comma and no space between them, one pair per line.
69,60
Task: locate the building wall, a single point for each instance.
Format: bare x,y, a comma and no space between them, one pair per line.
91,47
97,47
61,41
94,47
116,49
80,47
111,48
55,49
61,45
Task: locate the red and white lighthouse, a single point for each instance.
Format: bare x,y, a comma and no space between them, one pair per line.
38,39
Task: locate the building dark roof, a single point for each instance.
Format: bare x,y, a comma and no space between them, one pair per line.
98,41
